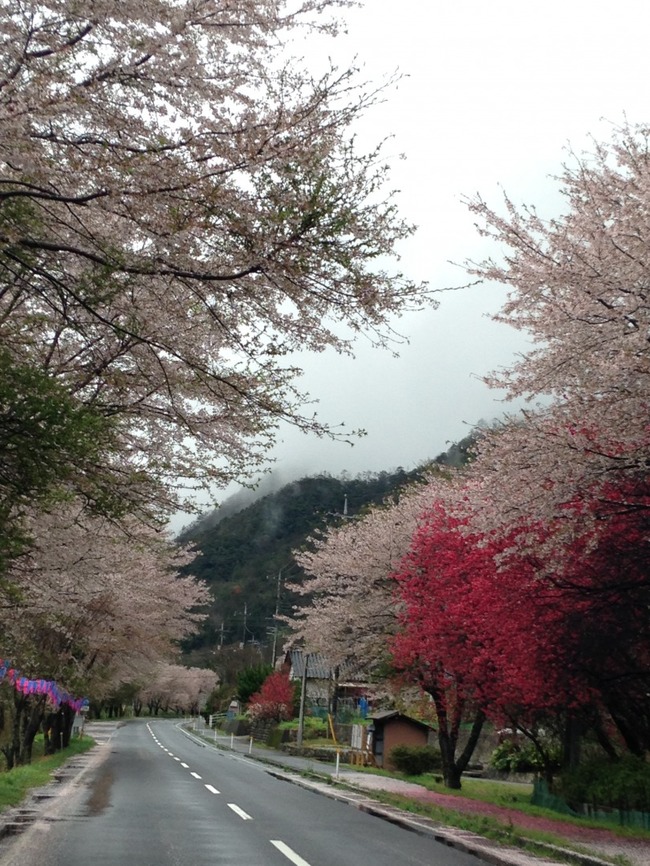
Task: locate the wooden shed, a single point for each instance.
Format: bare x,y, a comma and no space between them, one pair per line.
392,728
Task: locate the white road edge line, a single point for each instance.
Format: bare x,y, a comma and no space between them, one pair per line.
212,789
196,775
289,853
244,815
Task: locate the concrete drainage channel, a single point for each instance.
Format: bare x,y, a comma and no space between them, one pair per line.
41,801
19,821
15,821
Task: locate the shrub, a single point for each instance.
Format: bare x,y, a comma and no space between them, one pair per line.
415,760
274,701
512,756
250,680
312,727
623,784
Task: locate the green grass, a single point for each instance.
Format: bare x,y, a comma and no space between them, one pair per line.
515,796
15,784
511,795
534,841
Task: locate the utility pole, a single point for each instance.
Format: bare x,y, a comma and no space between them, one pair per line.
243,636
277,611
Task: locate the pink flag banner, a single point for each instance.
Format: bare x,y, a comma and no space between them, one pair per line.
56,695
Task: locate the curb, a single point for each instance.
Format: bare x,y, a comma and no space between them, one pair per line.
466,841
461,840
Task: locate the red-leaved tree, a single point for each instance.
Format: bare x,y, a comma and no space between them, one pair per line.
485,633
274,701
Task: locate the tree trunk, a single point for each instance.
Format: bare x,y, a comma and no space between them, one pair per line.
451,774
31,725
470,746
20,702
573,729
604,740
58,727
448,730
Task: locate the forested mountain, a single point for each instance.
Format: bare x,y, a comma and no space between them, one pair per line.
245,555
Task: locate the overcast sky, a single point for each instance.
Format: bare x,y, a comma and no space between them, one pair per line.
495,92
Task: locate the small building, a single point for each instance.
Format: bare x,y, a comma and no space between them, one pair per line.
328,687
391,728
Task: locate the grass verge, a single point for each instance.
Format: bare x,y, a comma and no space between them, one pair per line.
513,795
15,784
541,844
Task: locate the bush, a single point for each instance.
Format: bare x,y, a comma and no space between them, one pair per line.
250,681
512,756
274,701
623,784
415,760
312,727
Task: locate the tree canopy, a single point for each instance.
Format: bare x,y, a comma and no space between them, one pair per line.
182,205
522,591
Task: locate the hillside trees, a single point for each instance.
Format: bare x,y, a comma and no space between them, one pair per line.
246,558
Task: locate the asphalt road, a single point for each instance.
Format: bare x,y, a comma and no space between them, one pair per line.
156,797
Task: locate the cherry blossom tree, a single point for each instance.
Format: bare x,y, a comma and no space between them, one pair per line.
349,590
579,289
95,603
604,588
576,464
436,645
183,205
486,634
176,687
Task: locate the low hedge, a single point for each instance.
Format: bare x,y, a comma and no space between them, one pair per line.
415,760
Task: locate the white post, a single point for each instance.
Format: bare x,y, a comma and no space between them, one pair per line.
338,760
232,741
250,746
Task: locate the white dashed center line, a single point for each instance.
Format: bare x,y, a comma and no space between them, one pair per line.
289,853
196,775
243,815
185,766
211,789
